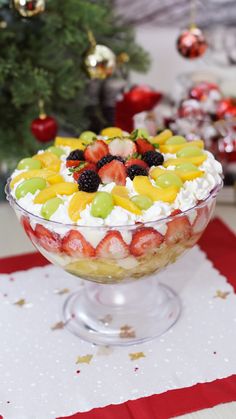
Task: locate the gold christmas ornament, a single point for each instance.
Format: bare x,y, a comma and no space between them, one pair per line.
29,8
100,61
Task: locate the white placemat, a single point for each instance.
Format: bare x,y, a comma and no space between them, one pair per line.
46,373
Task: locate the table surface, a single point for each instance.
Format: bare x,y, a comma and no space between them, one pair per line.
14,241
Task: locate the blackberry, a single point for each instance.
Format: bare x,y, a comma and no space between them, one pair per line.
136,170
107,159
153,158
76,155
89,181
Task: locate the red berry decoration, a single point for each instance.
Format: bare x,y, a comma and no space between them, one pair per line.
191,43
44,128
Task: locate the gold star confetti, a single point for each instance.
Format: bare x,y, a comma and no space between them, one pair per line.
20,303
106,319
57,326
127,331
136,355
84,359
221,294
62,291
104,350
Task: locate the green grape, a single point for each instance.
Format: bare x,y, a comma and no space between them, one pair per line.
56,150
176,139
187,167
102,205
143,133
30,185
169,179
143,202
29,164
50,206
87,136
190,151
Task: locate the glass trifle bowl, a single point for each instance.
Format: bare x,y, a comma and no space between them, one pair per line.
121,301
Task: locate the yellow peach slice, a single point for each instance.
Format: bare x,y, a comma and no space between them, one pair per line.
56,178
73,143
121,191
196,160
162,137
43,173
193,174
154,173
173,148
112,132
78,203
143,186
126,203
47,159
64,188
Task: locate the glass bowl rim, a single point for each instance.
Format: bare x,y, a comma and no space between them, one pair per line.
39,219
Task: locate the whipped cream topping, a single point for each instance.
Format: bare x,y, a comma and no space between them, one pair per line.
188,196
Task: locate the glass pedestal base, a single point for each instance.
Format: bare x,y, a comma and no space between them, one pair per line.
121,314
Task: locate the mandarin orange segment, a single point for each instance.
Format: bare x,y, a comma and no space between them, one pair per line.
78,203
173,148
73,143
47,159
43,173
143,186
197,160
121,191
64,188
126,203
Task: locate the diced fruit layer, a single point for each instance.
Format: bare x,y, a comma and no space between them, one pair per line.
78,203
126,203
178,230
145,240
64,188
113,172
143,186
95,151
96,269
112,246
122,147
74,244
47,239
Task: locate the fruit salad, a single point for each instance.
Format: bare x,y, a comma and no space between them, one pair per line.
118,205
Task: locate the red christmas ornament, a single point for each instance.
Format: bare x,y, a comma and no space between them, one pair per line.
201,90
191,43
226,108
44,128
136,100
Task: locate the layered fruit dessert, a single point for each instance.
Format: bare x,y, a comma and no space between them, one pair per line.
116,206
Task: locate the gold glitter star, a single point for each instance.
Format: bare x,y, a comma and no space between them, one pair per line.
127,331
136,355
57,326
221,294
62,291
84,359
20,303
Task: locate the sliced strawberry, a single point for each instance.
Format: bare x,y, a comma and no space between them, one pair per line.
73,163
143,146
95,151
113,172
113,246
178,229
74,244
139,162
47,239
86,166
122,147
145,240
27,227
201,220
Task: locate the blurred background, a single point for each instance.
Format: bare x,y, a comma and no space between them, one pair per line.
71,66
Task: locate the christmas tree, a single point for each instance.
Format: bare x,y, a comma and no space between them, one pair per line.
42,58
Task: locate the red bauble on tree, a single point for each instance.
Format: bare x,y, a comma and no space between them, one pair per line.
44,128
135,100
